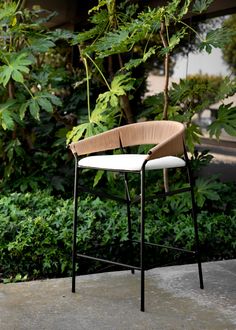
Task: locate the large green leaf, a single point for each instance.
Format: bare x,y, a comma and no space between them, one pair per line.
133,63
6,117
41,45
34,108
77,132
226,120
193,134
207,189
201,5
7,10
217,38
16,65
43,100
45,104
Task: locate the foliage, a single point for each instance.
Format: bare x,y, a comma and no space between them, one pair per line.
226,119
36,229
33,124
191,96
42,98
229,52
127,31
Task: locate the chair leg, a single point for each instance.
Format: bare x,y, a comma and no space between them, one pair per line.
194,216
142,232
75,224
130,236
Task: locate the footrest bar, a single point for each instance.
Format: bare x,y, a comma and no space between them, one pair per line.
108,261
166,247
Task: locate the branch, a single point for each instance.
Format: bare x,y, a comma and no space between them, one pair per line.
167,72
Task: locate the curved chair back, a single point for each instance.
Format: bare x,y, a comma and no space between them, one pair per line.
168,136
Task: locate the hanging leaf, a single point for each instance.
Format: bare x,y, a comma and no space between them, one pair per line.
34,108
121,84
41,45
98,177
226,120
113,42
207,189
217,38
101,3
193,134
45,104
22,110
77,132
16,65
201,5
8,10
133,63
41,100
6,117
174,41
227,88
7,121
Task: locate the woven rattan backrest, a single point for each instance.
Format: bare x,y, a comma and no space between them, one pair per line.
166,135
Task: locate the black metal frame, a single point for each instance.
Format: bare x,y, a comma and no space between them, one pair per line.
142,242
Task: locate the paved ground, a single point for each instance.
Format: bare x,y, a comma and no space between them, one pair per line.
111,301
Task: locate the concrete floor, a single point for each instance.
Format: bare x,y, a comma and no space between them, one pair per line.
111,301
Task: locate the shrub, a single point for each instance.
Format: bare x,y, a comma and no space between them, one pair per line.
36,233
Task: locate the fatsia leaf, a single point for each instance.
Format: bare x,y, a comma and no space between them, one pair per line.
174,41
176,9
113,42
6,111
101,3
226,119
77,132
7,121
52,98
34,108
45,104
100,20
201,5
42,100
8,10
217,38
15,66
5,74
193,134
41,45
98,177
133,63
22,110
122,83
207,189
227,88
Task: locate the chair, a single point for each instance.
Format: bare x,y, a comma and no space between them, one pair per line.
168,138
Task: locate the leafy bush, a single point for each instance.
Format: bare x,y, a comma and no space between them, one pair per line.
36,233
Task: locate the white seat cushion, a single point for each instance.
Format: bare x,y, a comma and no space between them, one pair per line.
129,162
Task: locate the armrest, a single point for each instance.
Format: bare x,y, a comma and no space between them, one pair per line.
173,146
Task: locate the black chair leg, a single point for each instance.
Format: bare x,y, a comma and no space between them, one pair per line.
194,216
142,234
130,236
75,224
197,250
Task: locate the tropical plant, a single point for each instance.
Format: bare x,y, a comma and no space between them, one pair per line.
125,31
33,86
36,230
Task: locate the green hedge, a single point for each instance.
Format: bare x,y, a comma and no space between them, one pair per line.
36,233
